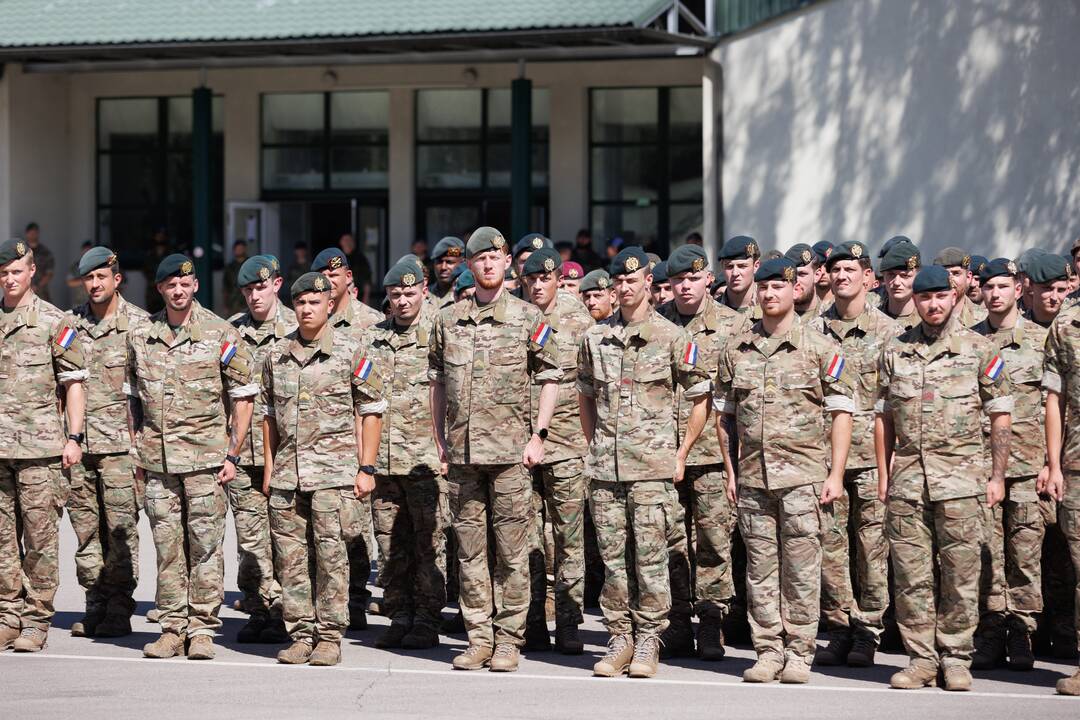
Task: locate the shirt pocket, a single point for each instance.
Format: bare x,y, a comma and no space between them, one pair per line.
960,404
509,370
652,387
1026,377
34,363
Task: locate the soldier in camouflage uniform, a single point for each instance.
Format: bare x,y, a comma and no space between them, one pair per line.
485,353
351,315
958,263
1049,276
180,366
703,491
629,367
41,358
855,624
1011,593
105,494
597,295
935,382
411,515
807,304
560,479
265,322
777,381
448,254
321,401
822,250
740,258
899,265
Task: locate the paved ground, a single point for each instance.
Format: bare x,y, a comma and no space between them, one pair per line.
109,679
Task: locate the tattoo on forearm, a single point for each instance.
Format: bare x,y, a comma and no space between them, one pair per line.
999,447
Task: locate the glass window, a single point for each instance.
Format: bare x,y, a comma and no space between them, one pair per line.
129,124
292,119
635,225
448,166
625,115
297,168
360,117
359,167
449,115
625,173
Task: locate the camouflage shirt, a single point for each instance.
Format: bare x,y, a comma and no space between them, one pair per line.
258,338
487,356
1022,349
356,315
711,329
1061,374
778,389
40,350
861,340
181,379
751,311
907,321
105,344
969,313
407,446
632,371
936,390
312,393
568,322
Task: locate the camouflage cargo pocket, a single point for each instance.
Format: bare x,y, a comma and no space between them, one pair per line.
900,518
963,520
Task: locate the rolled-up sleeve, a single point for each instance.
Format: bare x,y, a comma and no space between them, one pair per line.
585,377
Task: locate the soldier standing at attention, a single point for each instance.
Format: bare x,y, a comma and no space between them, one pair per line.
1049,276
41,358
105,495
935,382
179,367
777,381
321,402
807,303
447,255
855,624
703,491
598,295
351,315
410,491
266,321
1012,592
561,476
899,265
485,353
958,263
740,258
823,287
628,369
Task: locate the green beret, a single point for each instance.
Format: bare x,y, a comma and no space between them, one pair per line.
409,256
97,257
776,269
175,265
740,247
12,250
531,243
630,259
405,273
510,274
654,259
977,262
687,258
464,282
720,281
953,257
484,239
932,278
596,280
255,269
891,242
542,261
800,254
1049,268
458,269
771,255
275,264
660,273
329,259
309,282
850,250
449,245
822,250
998,267
1023,262
901,256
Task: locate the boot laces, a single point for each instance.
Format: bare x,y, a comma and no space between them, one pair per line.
503,650
646,648
616,645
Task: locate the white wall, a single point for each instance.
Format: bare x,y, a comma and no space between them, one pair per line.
952,122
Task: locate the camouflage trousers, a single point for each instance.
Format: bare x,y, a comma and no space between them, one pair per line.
1069,520
356,527
842,608
104,511
632,520
782,533
936,615
1010,587
187,519
410,514
495,496
254,551
699,546
311,560
31,502
562,503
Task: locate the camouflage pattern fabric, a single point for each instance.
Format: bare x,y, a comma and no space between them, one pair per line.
356,528
907,321
967,313
355,316
254,551
1069,520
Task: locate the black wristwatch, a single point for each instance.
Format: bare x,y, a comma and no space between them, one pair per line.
234,459
542,433
368,469
77,437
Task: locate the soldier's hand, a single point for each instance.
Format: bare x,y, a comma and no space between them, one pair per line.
995,492
1040,480
266,485
444,461
72,454
227,473
680,468
732,491
1055,485
534,452
832,489
364,485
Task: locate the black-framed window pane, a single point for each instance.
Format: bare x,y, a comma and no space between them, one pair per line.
360,117
500,105
179,178
684,114
127,179
179,114
625,115
448,166
364,166
128,124
683,220
443,220
686,174
449,115
500,165
292,118
296,168
636,225
631,172
126,228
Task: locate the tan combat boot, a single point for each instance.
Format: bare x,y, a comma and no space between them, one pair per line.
620,651
796,671
1069,685
325,654
168,645
505,658
30,640
765,670
7,636
646,658
296,654
914,676
153,615
957,678
201,647
475,657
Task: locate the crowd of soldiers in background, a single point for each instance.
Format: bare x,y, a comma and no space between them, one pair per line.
815,441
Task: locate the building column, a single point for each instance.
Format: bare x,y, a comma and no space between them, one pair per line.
712,154
402,180
201,131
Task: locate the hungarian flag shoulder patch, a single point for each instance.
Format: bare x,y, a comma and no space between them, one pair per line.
65,337
995,368
836,367
541,335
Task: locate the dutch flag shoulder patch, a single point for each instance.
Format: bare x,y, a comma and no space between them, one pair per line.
541,335
363,369
995,368
228,352
65,337
836,367
690,355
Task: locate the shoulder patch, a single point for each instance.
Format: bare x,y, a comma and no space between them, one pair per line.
363,368
65,337
994,368
690,355
228,352
541,335
836,367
